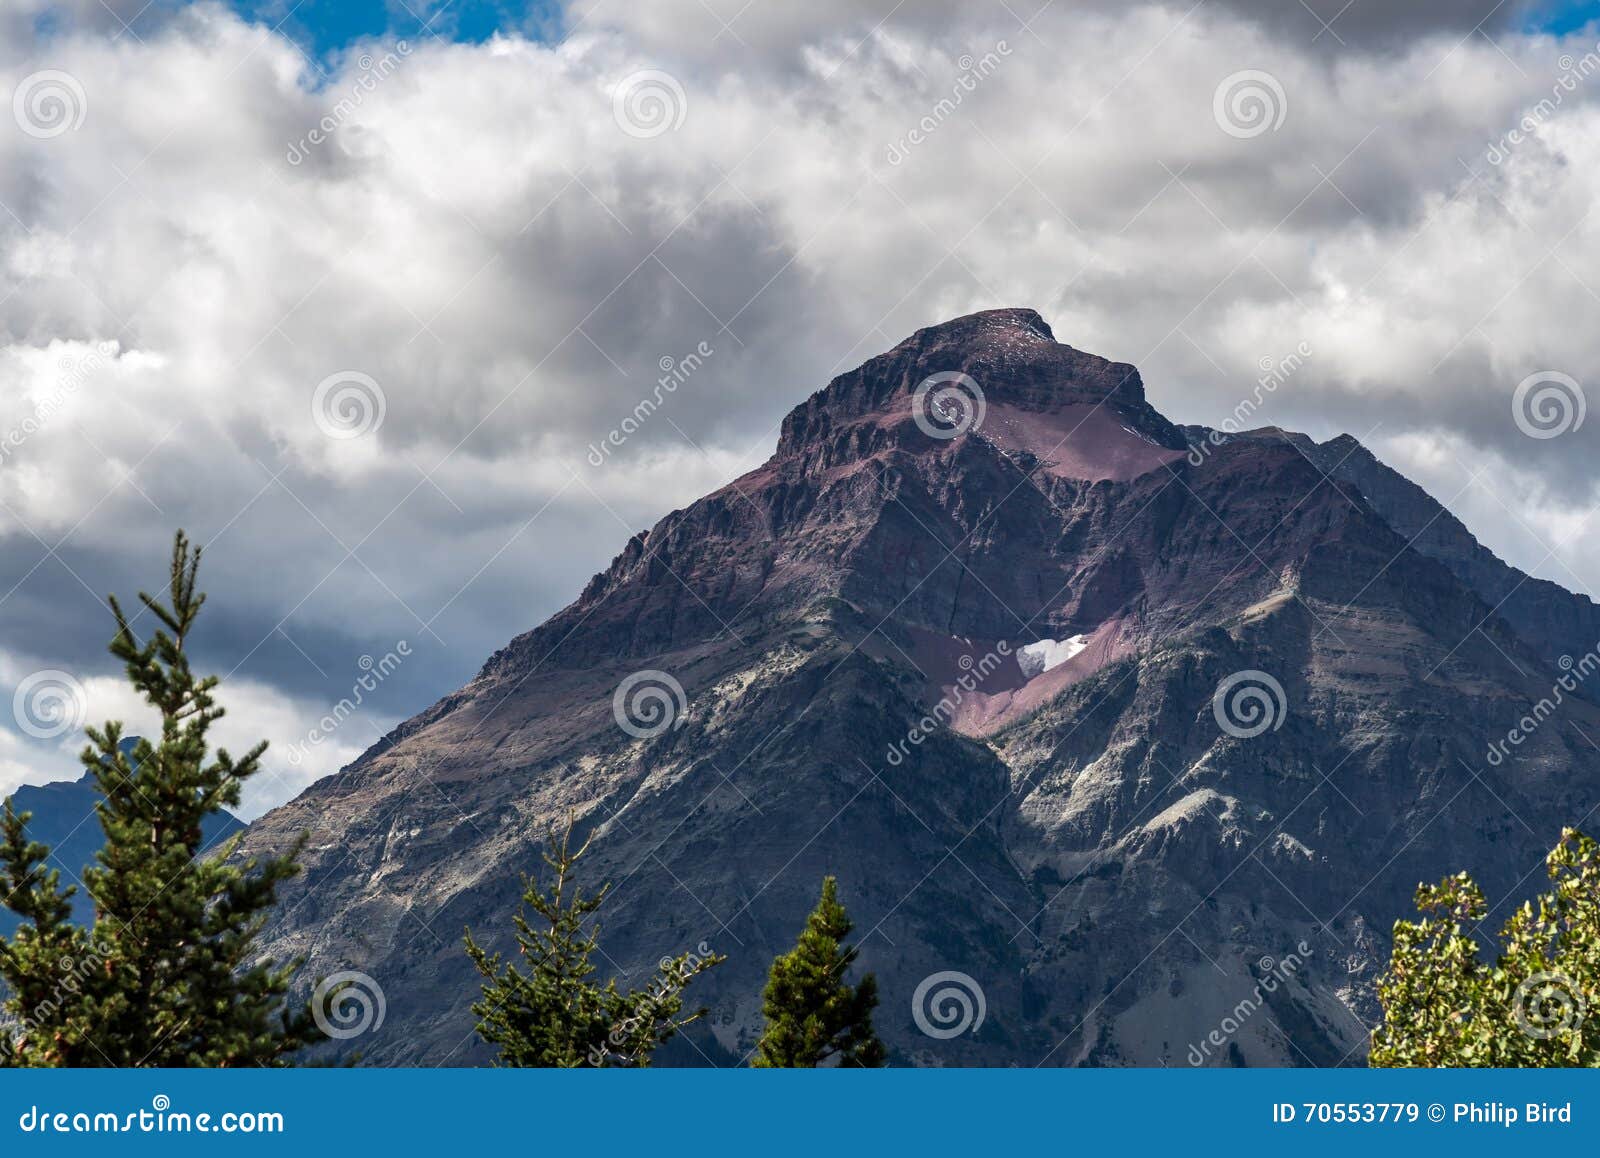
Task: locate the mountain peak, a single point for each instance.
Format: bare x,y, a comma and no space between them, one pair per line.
1015,638
1003,362
1011,321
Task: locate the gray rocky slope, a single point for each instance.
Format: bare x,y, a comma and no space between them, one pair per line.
1074,829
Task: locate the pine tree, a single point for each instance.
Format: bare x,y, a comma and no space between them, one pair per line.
554,1014
813,1014
168,975
40,965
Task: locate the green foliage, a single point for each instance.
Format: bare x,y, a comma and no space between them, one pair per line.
554,1014
1534,1006
813,1014
169,973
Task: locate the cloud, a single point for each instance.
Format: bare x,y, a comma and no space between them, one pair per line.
773,33
36,747
479,261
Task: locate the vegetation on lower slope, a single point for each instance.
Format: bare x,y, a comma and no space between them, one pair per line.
550,1012
1445,1006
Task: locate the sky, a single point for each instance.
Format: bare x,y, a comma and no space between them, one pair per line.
355,292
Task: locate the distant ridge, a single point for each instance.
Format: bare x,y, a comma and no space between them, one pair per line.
64,818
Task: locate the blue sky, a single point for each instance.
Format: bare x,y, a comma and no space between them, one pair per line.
324,27
328,25
1566,17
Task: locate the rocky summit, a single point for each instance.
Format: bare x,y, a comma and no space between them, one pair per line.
1127,742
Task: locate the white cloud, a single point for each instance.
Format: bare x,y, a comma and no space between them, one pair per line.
255,712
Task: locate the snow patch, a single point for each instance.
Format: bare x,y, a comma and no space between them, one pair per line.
1288,844
1038,658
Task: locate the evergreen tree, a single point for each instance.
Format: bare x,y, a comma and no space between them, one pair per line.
168,975
554,1014
40,964
1537,1004
813,1014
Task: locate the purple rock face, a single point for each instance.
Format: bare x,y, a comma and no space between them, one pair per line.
1249,720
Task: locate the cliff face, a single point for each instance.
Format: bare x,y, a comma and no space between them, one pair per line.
987,648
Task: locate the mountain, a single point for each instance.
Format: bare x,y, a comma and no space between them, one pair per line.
1550,618
64,818
1136,738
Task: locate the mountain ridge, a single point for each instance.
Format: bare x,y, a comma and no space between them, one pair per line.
975,491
